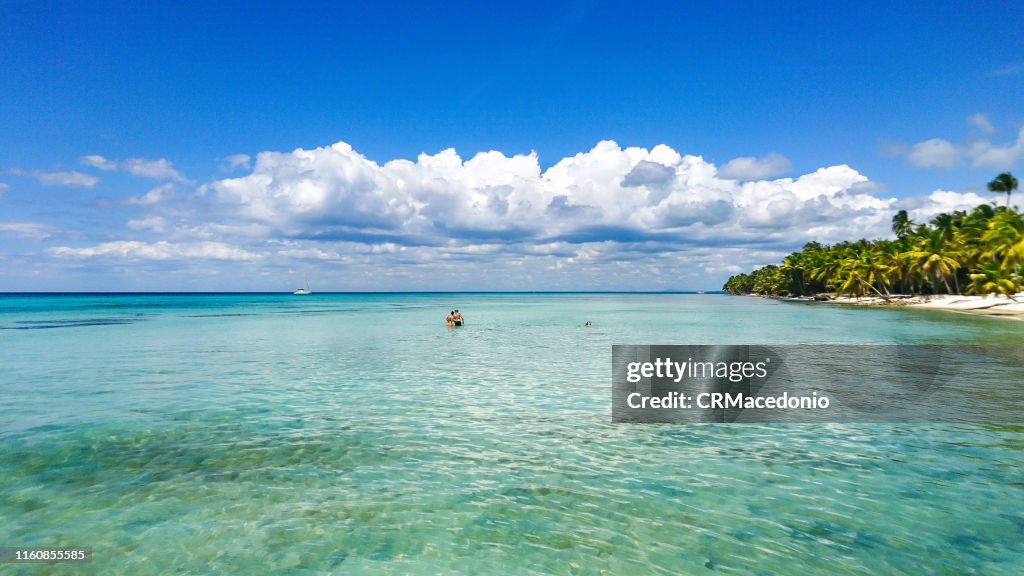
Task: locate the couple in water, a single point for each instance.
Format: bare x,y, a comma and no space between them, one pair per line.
454,318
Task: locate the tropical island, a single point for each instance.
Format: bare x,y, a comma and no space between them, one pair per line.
978,252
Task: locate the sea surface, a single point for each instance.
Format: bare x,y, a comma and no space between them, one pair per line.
356,434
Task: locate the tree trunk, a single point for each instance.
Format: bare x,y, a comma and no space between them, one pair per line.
861,280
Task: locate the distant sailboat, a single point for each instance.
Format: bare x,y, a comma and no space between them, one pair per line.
304,291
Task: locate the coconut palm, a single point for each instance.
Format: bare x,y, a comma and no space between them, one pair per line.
1004,239
981,250
902,225
933,258
994,279
893,270
945,224
1005,182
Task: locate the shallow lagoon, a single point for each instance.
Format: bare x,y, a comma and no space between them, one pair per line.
356,434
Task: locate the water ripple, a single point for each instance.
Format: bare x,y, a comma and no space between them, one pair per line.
313,443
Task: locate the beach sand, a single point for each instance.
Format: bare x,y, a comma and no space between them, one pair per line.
990,305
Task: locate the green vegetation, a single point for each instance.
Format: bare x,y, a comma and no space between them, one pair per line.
1005,182
976,252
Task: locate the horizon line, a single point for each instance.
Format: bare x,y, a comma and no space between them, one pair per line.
287,293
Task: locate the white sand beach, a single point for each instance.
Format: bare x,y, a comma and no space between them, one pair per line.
991,305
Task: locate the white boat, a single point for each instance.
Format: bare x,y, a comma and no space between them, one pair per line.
304,291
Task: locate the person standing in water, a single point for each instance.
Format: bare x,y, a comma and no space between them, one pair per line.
457,317
449,321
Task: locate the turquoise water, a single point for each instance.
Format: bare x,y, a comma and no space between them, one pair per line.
355,434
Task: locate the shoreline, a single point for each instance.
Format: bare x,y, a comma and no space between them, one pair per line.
990,305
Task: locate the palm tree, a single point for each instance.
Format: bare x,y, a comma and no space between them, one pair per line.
933,258
874,271
1005,182
945,224
859,267
981,250
994,279
1004,239
826,267
894,272
967,240
902,225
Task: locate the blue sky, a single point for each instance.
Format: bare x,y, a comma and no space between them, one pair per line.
129,138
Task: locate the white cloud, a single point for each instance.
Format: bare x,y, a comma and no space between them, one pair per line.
922,209
606,194
824,205
751,168
981,123
934,153
98,162
64,179
160,169
313,254
981,153
153,223
987,155
153,196
236,162
158,251
628,218
29,230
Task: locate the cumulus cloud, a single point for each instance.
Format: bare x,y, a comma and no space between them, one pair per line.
154,196
980,152
601,215
607,194
236,162
924,208
161,250
647,173
934,153
751,168
987,155
823,205
63,179
159,169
